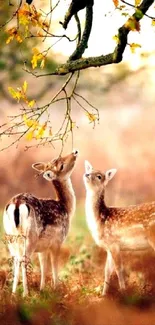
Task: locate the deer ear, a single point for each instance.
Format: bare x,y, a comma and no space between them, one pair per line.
109,174
40,166
88,167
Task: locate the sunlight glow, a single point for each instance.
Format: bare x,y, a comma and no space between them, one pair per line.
106,21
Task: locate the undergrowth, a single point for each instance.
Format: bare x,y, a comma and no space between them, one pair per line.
77,299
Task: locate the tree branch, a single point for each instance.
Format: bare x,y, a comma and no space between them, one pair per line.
85,37
114,57
74,7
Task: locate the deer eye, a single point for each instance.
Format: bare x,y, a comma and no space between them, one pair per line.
61,167
99,176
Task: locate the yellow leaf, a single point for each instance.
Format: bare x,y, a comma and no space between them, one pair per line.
30,135
29,122
134,46
153,22
41,131
18,38
9,39
91,117
31,103
42,63
137,2
37,56
25,84
73,124
15,94
116,38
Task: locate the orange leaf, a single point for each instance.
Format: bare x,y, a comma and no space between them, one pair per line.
116,3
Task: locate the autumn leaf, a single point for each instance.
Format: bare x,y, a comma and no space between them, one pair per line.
42,64
37,56
92,117
30,122
137,3
153,22
14,34
73,124
116,3
30,135
31,103
134,46
41,131
15,94
25,84
116,39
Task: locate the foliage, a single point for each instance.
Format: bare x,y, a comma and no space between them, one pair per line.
29,30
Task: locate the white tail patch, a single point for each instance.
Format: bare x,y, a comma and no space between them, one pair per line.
9,223
23,215
9,218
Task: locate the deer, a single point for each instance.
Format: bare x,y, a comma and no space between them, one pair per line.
40,225
116,229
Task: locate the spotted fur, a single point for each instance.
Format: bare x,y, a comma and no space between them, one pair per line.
41,225
116,228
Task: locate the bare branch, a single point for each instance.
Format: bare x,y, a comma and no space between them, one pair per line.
83,44
74,7
114,57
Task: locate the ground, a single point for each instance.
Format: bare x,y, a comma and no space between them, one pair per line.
78,299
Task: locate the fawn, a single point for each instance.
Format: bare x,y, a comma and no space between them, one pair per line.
116,228
41,225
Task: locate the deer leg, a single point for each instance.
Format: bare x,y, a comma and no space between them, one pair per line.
109,268
115,252
14,251
28,250
43,268
54,261
16,273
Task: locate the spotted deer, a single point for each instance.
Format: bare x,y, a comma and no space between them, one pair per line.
41,225
116,228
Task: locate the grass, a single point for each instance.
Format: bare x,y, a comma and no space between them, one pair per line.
77,300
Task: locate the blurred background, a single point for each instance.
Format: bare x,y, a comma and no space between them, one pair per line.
124,95
124,138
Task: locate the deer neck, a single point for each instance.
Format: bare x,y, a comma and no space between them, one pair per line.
95,202
65,194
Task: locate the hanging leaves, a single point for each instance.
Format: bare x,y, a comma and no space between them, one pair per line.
92,117
30,16
116,3
37,56
27,16
134,46
20,93
14,34
36,130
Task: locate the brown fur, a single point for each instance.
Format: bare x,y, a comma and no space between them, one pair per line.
43,223
116,228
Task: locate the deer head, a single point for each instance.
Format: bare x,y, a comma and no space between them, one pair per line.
95,180
59,168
